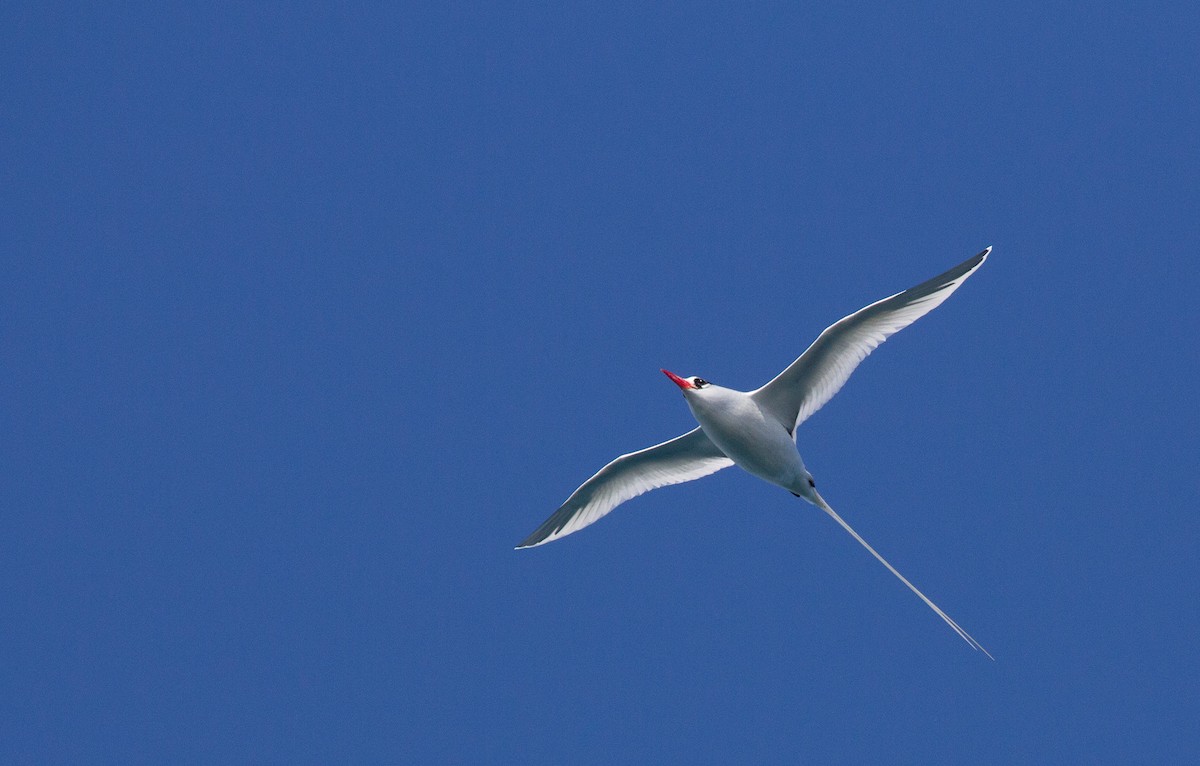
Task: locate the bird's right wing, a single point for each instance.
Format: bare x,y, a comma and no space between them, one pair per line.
820,372
681,459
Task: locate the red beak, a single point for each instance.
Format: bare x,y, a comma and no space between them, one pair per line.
684,384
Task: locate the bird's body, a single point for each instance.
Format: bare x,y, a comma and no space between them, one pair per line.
752,438
756,430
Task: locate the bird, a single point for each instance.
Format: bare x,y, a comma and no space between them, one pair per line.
756,430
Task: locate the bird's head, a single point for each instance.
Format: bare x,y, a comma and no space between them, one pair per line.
690,384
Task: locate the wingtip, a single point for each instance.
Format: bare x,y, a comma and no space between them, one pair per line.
533,541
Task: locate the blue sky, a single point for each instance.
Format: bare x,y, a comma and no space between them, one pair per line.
312,313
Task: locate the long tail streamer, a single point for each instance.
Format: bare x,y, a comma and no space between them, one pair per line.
964,634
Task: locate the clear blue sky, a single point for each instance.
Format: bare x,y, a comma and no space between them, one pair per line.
312,313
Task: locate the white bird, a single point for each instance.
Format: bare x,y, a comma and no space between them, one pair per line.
757,430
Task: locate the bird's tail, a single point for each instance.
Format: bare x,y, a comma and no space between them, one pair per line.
824,506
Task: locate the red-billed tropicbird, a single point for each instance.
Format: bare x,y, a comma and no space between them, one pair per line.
757,430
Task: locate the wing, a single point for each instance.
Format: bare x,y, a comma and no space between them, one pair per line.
821,371
681,459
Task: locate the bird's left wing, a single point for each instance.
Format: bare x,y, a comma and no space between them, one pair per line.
821,371
681,459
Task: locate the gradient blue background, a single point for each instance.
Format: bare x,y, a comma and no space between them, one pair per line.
310,313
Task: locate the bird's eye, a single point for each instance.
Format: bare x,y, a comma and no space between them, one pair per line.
699,382
812,483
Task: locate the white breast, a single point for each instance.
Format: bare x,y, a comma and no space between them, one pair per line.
750,437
